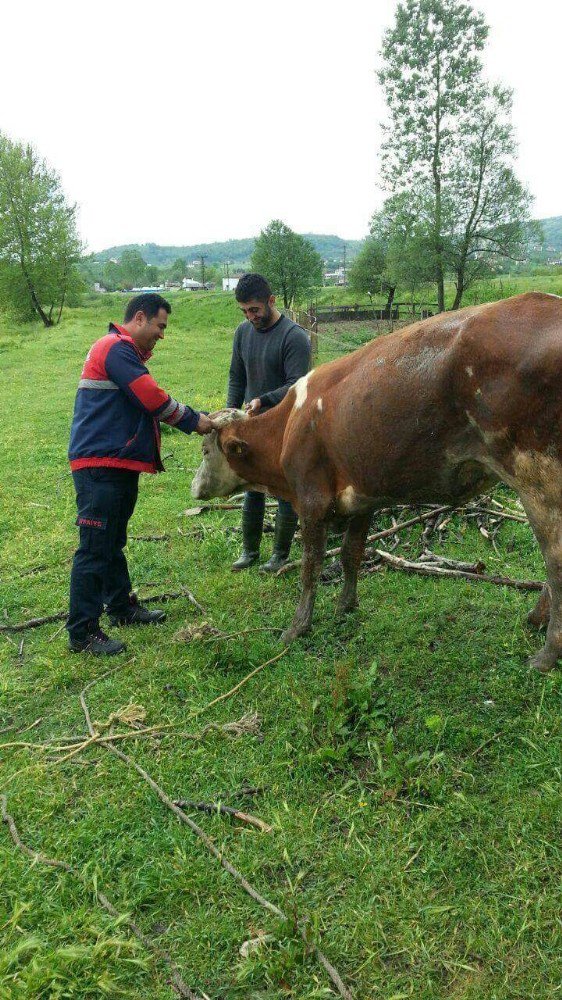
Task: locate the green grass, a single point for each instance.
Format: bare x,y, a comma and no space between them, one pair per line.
482,291
410,762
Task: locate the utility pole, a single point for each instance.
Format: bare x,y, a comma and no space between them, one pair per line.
203,259
345,264
227,265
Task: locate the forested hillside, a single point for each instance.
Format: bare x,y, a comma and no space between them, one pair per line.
235,252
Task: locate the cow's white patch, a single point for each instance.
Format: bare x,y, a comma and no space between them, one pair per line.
223,417
301,390
319,404
469,371
380,361
215,477
347,500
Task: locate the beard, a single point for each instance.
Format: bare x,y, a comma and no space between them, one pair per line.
264,321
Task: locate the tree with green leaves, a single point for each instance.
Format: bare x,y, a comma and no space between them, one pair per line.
366,270
487,207
39,245
448,142
133,269
178,270
111,275
288,261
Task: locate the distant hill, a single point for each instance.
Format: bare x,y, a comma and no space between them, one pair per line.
235,252
330,248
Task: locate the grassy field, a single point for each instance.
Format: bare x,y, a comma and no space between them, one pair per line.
406,758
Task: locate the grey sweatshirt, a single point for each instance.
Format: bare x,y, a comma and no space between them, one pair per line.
266,363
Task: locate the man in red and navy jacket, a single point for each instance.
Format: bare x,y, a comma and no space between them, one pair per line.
115,435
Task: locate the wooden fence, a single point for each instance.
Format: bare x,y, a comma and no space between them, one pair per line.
352,313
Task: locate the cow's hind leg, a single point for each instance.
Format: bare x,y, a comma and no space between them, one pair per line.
539,617
351,555
546,522
313,535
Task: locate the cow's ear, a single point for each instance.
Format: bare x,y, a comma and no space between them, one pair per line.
235,448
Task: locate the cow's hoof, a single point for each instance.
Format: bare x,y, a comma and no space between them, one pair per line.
292,633
543,661
346,607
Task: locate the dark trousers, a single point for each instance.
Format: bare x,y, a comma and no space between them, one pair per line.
105,499
254,505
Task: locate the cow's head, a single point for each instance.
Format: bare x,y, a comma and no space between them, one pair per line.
215,477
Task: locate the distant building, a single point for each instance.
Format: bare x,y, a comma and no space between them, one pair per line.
229,284
336,277
98,287
190,285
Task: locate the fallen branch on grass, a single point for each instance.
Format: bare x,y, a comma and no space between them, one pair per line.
149,538
38,858
205,508
220,857
248,724
373,538
425,569
61,615
200,833
216,807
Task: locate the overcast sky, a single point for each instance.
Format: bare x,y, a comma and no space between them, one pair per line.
180,123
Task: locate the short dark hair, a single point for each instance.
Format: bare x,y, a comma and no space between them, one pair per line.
253,286
149,303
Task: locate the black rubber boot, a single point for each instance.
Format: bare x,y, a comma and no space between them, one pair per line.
285,528
137,614
252,529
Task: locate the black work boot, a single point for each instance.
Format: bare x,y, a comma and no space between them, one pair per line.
285,528
137,614
96,643
252,529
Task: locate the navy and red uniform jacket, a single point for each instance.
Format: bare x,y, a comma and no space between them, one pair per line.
118,408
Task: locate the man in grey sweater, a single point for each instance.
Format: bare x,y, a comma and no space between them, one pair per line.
269,354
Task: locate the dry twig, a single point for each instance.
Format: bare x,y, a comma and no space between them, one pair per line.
180,987
61,615
373,538
217,807
423,569
200,833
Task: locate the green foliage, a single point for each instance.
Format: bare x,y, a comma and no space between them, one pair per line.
365,273
288,261
132,269
39,246
449,143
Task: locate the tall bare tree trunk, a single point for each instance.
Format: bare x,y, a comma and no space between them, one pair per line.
436,169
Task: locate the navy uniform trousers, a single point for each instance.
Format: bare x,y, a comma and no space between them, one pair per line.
105,499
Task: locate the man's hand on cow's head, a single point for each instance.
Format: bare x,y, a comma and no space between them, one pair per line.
253,407
205,424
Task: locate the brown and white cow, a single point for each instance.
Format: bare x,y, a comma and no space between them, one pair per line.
436,412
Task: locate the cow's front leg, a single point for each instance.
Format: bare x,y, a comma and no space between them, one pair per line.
351,555
313,534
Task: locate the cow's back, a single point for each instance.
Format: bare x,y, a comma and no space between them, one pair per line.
411,415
